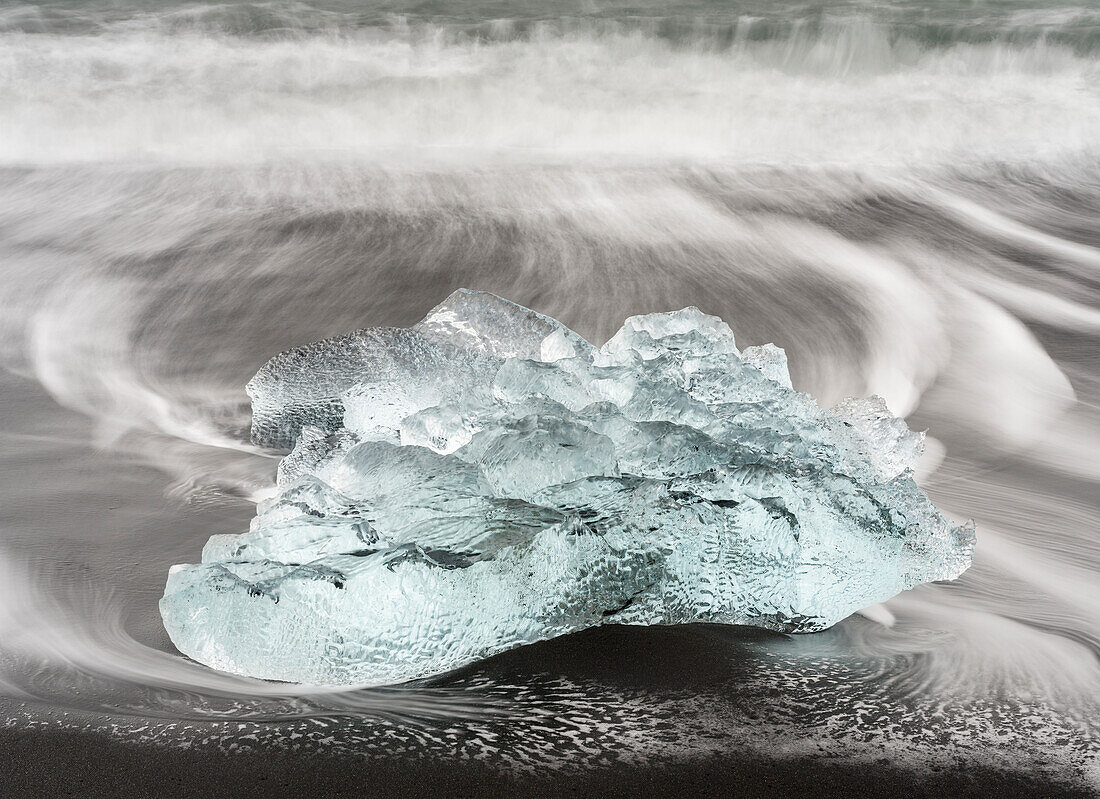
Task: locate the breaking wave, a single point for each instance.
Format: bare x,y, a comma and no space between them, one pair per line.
254,83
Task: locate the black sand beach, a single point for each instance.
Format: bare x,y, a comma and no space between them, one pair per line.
903,195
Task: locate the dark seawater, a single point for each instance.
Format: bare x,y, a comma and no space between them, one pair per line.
905,196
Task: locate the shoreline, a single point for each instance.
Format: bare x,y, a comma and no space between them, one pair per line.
56,763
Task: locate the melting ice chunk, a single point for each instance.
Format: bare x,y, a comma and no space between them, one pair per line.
487,479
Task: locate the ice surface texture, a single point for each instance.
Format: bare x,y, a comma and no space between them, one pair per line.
487,478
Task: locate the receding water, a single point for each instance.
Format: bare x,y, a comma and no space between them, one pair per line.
905,196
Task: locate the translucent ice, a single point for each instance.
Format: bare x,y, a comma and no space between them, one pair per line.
487,478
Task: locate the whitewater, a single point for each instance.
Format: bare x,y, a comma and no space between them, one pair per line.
903,196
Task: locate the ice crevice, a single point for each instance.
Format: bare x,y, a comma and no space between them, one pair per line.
487,478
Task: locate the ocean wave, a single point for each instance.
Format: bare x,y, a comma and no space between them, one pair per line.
691,22
847,91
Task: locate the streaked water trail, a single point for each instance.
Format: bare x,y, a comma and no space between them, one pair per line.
908,207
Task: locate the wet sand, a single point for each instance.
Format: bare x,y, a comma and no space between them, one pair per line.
55,763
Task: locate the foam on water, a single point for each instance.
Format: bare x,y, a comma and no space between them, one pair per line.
928,234
845,90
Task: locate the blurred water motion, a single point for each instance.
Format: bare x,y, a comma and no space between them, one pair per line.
906,201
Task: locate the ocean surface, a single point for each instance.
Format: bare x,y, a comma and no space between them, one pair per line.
904,195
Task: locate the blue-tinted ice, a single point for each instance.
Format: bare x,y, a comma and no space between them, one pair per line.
487,478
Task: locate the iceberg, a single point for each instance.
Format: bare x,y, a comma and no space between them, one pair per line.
487,478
